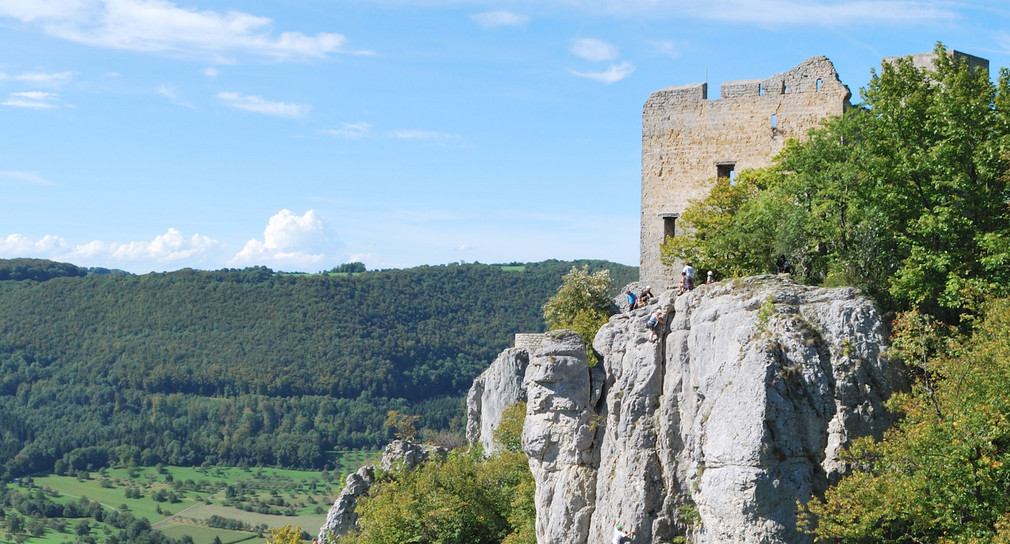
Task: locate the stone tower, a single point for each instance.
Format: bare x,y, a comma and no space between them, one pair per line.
688,140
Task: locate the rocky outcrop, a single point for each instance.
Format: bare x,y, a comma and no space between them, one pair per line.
496,389
559,435
716,430
342,516
398,455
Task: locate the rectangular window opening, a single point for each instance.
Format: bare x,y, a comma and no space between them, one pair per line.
819,83
775,121
761,90
669,226
726,170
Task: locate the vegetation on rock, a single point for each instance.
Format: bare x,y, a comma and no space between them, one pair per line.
906,197
465,499
582,304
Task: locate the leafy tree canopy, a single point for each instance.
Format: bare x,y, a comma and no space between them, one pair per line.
582,304
466,499
247,366
905,196
943,473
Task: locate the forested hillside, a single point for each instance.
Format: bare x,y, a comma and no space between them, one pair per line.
246,366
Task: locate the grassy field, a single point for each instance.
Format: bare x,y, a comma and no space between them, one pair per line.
180,501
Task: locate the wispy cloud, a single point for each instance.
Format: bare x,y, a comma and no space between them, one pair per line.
494,19
54,79
350,130
260,105
824,13
615,73
32,100
31,178
289,241
593,49
666,48
161,26
413,134
168,91
210,72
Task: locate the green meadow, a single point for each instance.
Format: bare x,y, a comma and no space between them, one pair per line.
203,503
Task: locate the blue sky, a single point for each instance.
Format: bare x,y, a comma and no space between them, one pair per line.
154,135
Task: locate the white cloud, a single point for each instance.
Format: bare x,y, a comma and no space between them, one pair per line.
29,11
260,105
593,49
160,26
166,248
289,242
351,131
32,178
210,72
32,99
18,245
169,248
615,73
494,19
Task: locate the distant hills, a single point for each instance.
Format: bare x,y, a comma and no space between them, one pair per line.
246,366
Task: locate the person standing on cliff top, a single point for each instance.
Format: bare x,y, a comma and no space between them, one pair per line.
620,535
688,276
631,299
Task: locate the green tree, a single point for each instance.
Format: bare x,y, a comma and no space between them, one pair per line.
464,499
285,535
942,474
403,425
904,196
732,230
582,304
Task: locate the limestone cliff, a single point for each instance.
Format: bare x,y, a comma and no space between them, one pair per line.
713,432
399,454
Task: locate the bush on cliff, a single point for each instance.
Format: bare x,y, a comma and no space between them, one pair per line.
582,304
942,474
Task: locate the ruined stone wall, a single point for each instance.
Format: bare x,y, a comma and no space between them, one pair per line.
528,341
686,138
926,60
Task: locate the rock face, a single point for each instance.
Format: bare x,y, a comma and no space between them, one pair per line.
559,434
399,454
716,430
342,516
497,388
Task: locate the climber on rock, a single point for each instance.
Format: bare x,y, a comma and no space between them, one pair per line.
620,535
655,323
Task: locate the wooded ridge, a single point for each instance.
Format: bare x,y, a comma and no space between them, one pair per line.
246,366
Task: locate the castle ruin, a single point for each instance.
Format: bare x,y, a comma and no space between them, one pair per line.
688,140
